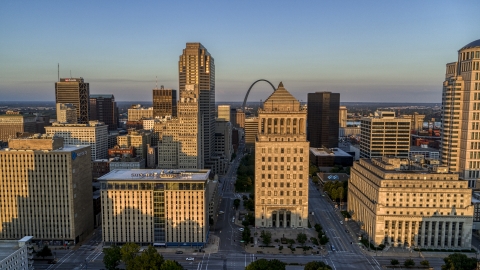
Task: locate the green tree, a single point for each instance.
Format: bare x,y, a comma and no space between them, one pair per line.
316,265
266,237
425,263
394,262
129,252
148,259
171,265
459,261
112,257
236,203
324,239
45,252
312,170
264,264
246,235
301,238
409,263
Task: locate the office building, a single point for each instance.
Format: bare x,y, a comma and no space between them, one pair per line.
251,130
139,139
197,73
155,207
126,163
93,133
66,113
103,108
342,117
100,167
384,135
461,114
16,254
77,92
416,121
164,102
223,140
423,151
233,117
118,151
46,190
137,113
240,118
324,157
223,113
400,204
14,123
281,163
323,119
152,156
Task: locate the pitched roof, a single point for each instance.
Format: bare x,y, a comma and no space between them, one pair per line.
281,100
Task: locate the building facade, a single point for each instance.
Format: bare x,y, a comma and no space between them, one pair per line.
13,123
342,117
93,133
461,114
66,113
157,207
46,190
139,139
251,130
103,108
323,119
164,102
16,255
384,135
399,204
240,118
281,163
137,113
77,92
223,113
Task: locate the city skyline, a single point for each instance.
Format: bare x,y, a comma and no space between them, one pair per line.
368,51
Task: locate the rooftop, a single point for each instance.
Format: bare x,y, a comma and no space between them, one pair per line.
328,152
472,44
422,149
7,247
156,175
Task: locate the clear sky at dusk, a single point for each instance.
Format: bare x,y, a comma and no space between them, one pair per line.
381,51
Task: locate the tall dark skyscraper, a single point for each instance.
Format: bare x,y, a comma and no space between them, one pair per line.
322,119
77,92
197,71
164,102
104,109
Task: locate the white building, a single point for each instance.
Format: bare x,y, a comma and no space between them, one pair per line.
16,254
94,134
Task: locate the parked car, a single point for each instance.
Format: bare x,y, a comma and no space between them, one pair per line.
190,259
179,252
241,229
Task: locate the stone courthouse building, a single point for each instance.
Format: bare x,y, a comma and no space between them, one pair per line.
281,162
400,204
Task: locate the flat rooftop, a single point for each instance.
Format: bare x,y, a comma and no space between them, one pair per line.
156,175
329,152
422,149
7,247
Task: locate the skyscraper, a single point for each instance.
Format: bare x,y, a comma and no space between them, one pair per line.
66,113
164,102
461,114
104,109
77,92
281,163
223,113
197,71
322,119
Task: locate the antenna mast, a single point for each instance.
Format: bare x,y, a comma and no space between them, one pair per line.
58,72
156,82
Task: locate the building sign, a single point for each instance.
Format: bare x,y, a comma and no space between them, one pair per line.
75,154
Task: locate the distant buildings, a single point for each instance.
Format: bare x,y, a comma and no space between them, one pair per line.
77,92
46,190
399,204
93,133
461,114
251,130
281,163
223,140
384,135
103,108
66,113
137,113
164,102
240,118
342,117
223,113
139,139
13,123
155,207
323,119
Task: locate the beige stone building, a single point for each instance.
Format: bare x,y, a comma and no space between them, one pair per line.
223,113
400,204
139,139
251,130
137,112
12,123
46,190
159,207
461,114
66,113
281,163
342,117
384,135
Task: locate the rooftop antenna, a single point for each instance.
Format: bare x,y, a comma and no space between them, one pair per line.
156,82
58,72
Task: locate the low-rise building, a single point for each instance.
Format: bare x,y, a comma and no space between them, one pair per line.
324,157
156,207
425,151
126,163
400,204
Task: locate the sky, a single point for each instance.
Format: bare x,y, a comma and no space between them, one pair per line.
368,51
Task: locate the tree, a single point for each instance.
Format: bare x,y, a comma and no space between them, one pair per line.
264,264
171,265
149,259
246,235
459,261
301,238
312,170
45,252
129,252
236,203
266,237
112,257
324,239
409,263
316,265
394,262
425,263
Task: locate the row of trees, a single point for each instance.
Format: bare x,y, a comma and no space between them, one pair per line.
129,255
245,174
323,239
336,189
264,264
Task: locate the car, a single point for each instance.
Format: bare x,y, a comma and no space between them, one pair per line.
241,229
347,231
190,259
341,222
179,252
220,212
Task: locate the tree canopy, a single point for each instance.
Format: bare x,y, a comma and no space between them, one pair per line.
457,261
264,264
112,257
316,265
